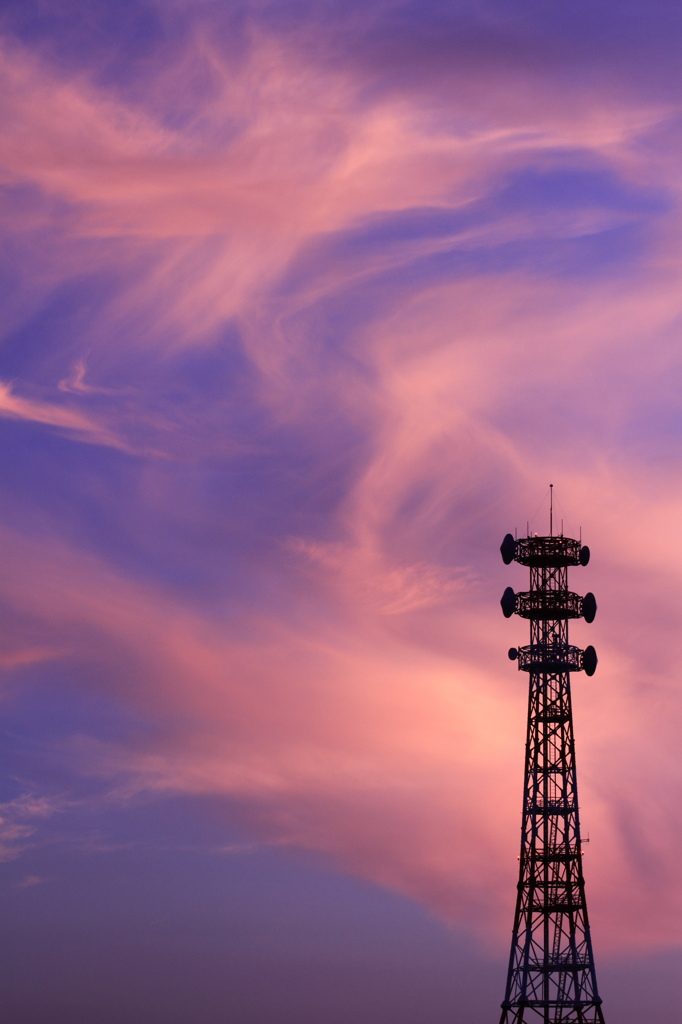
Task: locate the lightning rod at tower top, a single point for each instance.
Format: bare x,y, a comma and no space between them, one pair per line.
551,977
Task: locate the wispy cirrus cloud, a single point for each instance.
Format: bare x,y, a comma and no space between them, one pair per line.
74,423
370,319
19,821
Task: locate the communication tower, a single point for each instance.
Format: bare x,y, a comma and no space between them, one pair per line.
551,977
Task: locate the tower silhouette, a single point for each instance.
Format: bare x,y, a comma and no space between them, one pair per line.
551,977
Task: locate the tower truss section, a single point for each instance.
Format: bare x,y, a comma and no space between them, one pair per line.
551,977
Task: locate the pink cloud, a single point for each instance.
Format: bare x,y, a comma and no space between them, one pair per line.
223,213
345,719
75,424
395,754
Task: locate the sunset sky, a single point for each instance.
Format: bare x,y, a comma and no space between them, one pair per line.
305,304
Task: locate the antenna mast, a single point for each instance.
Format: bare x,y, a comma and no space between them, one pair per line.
551,977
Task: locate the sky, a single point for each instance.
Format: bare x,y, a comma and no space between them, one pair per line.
305,305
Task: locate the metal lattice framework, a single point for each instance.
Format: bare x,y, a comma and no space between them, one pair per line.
551,976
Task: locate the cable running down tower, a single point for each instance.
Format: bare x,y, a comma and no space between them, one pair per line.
551,977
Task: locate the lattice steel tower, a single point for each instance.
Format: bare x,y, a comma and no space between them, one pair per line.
551,976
